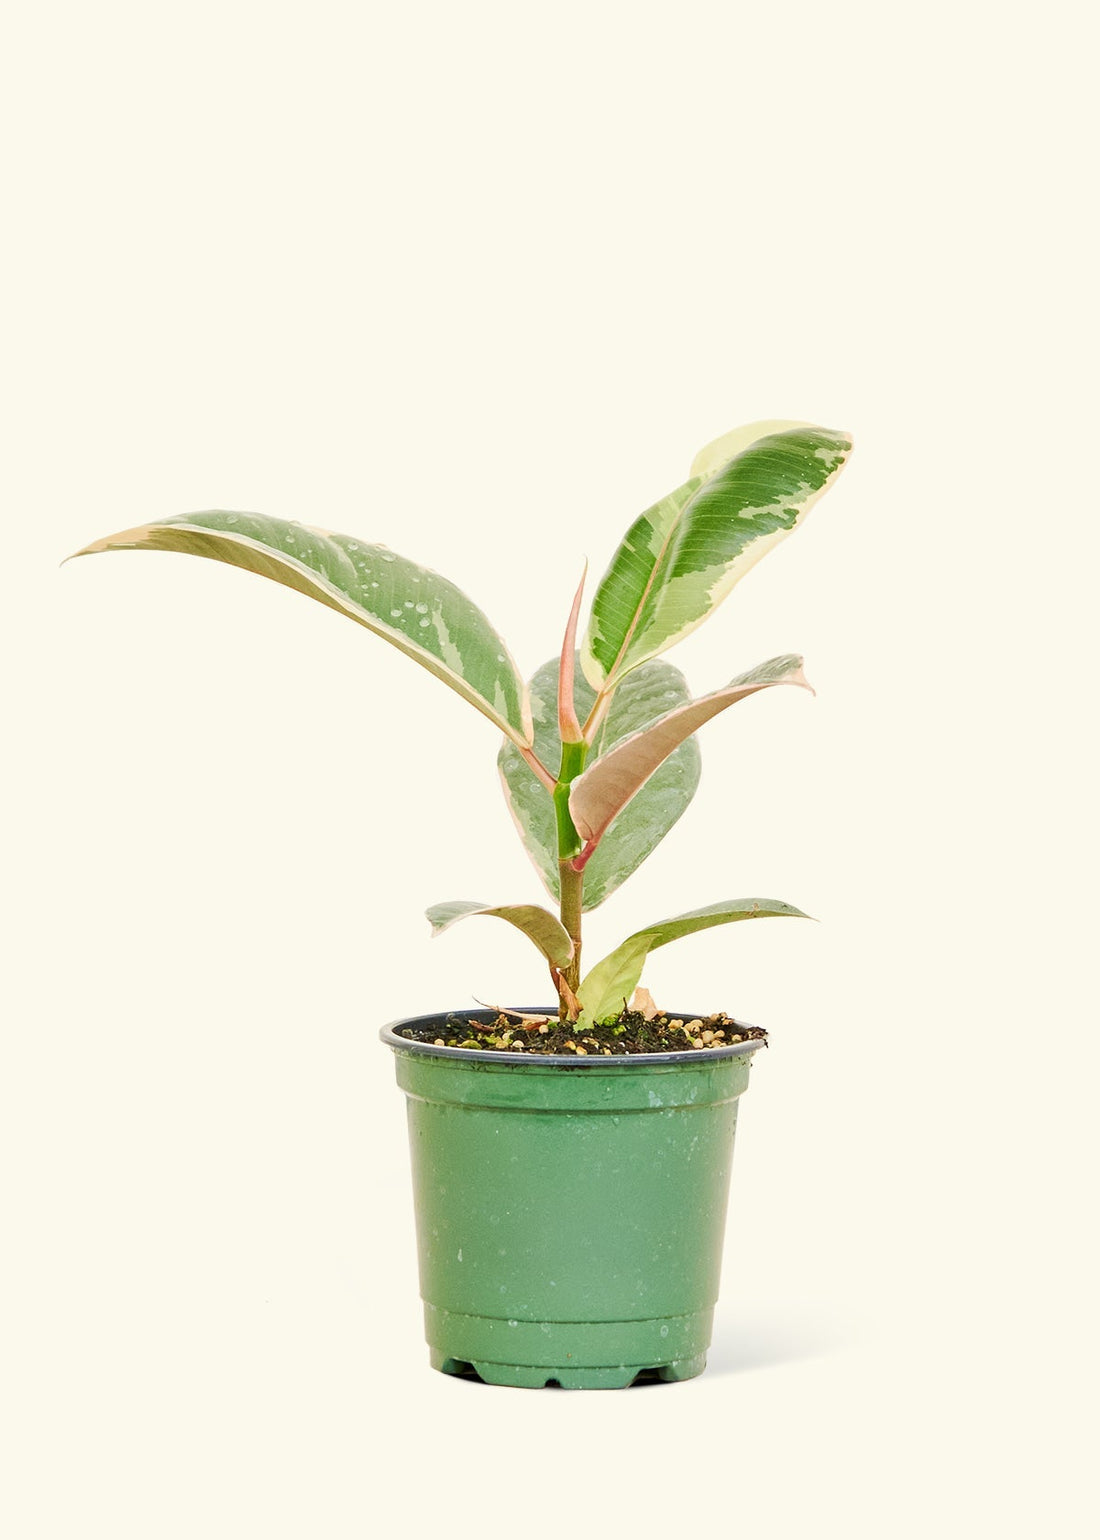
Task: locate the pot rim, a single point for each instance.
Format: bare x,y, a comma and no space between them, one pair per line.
389,1035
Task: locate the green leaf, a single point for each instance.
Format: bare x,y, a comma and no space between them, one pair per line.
644,695
602,791
681,558
413,608
537,924
606,988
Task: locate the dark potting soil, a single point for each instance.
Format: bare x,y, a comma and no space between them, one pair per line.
631,1033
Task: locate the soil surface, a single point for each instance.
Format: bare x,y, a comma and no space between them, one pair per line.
632,1033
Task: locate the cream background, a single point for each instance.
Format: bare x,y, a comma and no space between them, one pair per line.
478,281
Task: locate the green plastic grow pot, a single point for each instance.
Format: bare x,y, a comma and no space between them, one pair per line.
570,1212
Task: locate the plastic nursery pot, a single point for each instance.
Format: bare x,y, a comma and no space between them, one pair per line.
570,1212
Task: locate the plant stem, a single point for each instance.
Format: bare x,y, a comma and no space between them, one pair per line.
571,882
572,894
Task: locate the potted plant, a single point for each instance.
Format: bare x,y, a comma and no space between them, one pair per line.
571,1162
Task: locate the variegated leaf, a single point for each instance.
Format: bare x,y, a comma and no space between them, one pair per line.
720,451
606,988
683,556
415,609
602,792
536,923
644,695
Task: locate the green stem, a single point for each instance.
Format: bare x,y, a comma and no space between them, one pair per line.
570,843
572,763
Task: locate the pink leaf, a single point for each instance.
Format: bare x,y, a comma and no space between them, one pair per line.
602,791
569,726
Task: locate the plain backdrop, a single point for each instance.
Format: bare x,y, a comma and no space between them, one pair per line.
478,280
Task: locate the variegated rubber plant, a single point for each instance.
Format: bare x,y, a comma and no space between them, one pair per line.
597,764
